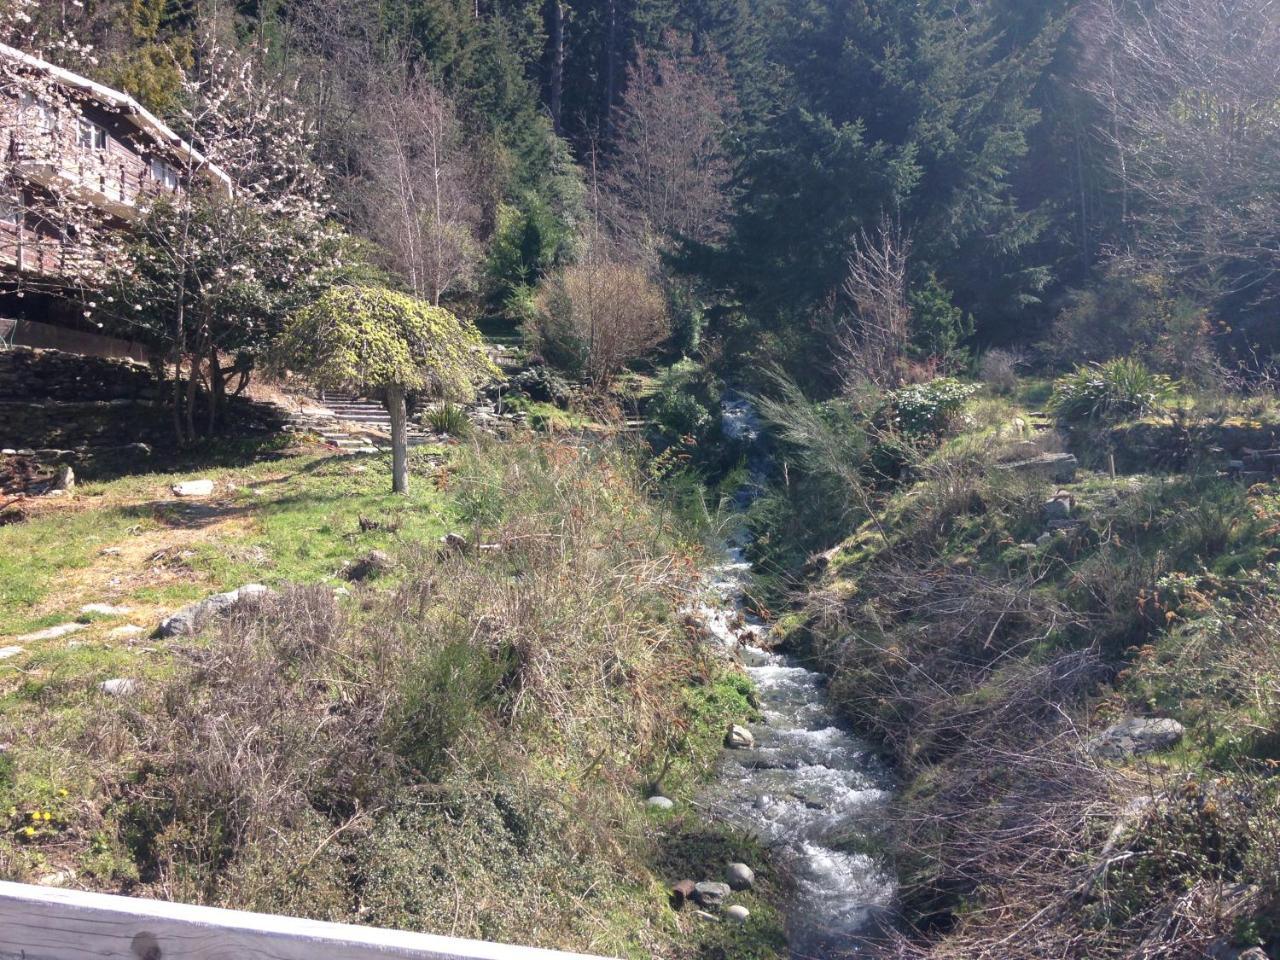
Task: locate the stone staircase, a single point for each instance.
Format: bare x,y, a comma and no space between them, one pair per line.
352,424
354,409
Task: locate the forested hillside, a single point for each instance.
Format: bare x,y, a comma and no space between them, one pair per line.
737,149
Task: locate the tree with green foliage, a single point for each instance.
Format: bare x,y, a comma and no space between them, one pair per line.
374,339
919,112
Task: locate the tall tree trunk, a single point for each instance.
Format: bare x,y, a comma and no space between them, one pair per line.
190,411
177,400
557,63
611,66
217,391
399,439
180,349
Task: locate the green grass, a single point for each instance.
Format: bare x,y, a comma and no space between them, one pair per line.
547,416
286,521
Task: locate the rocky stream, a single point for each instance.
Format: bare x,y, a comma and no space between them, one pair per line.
802,781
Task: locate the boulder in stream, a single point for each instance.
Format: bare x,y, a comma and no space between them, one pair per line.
739,738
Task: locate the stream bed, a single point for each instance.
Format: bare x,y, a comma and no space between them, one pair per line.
809,788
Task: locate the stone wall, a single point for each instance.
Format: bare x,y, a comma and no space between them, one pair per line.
64,401
70,426
28,374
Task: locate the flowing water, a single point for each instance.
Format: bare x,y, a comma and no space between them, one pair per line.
809,788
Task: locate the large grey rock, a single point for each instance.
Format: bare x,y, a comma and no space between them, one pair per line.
660,803
105,610
711,893
119,687
10,651
1136,737
128,632
1056,467
737,913
193,488
192,619
66,478
1057,509
739,738
51,633
740,876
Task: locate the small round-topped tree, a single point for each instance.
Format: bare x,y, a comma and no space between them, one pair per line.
371,338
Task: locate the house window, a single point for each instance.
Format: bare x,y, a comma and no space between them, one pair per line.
36,112
92,136
164,174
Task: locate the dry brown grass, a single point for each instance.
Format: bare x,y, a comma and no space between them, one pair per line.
464,751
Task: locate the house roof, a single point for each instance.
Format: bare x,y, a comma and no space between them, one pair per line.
140,116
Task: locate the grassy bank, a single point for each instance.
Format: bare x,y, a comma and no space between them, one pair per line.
987,623
462,745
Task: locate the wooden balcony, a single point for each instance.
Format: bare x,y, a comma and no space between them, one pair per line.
110,182
48,923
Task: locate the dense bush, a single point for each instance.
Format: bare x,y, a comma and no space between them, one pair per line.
685,405
1110,392
928,408
540,384
1142,315
596,316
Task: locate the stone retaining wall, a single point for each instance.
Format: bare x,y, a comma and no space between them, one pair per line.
28,374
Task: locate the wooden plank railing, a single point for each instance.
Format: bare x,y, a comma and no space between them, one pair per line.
50,923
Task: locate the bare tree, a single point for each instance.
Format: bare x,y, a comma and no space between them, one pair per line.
421,198
601,313
1189,90
871,337
670,172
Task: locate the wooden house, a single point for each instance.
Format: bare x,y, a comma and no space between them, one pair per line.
76,149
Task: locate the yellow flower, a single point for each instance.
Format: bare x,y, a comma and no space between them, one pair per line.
62,792
47,816
33,814
29,831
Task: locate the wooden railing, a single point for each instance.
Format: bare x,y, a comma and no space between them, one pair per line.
57,156
50,923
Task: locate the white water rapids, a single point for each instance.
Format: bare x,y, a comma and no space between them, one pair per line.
810,788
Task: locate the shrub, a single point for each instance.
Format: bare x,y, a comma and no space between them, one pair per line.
1130,314
597,316
927,408
998,369
542,385
685,403
1110,392
938,327
448,418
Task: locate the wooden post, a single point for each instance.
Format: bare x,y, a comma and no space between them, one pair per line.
50,923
